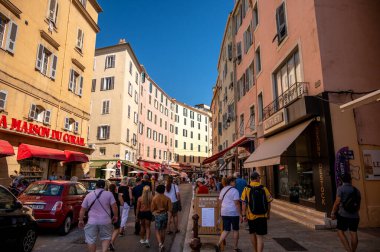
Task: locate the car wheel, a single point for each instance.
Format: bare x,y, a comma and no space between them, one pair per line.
66,226
27,241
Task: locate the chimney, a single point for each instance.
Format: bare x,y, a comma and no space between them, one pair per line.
122,41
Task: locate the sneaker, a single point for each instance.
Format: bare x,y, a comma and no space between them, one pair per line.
111,247
142,241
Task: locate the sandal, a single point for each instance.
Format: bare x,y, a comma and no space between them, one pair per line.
217,248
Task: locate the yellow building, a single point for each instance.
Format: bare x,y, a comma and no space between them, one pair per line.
46,68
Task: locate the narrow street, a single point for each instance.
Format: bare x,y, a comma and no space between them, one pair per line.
74,241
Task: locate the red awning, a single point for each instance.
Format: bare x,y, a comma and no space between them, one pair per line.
6,149
150,165
73,156
29,151
237,143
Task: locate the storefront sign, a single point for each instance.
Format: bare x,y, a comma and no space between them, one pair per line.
39,131
342,164
275,121
372,164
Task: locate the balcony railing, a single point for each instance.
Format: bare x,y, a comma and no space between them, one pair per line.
294,92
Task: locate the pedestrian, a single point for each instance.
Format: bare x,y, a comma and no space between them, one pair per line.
144,215
98,204
346,211
230,211
223,182
116,226
200,188
146,181
125,195
172,192
256,209
161,205
136,194
240,183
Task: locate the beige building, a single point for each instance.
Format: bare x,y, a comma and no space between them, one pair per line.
46,62
115,105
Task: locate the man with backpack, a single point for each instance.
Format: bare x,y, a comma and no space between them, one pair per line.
256,209
346,211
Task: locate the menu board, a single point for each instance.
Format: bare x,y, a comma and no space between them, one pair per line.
206,206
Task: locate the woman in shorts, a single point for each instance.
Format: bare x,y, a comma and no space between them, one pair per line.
144,215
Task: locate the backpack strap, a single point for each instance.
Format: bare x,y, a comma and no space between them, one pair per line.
226,193
97,197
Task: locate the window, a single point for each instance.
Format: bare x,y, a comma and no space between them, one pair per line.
255,18
156,104
143,77
53,11
136,97
8,34
176,130
184,111
247,39
107,83
80,37
199,136
3,99
149,133
161,108
83,2
154,135
185,133
36,112
71,125
102,151
110,61
192,124
130,89
103,132
176,143
150,87
156,93
137,77
252,118
134,139
93,85
191,146
287,74
147,151
130,67
184,145
258,60
238,52
106,107
191,134
206,138
159,154
260,108
155,119
162,97
184,121
206,128
46,62
199,126
281,23
141,128
199,148
127,138
206,149
149,115
135,117
161,122
129,111
241,126
166,112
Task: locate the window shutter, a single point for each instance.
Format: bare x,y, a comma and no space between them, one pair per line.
105,63
71,80
67,123
3,99
98,133
79,39
76,127
53,10
53,68
47,117
32,111
80,89
113,60
101,84
93,86
11,37
108,132
112,83
40,50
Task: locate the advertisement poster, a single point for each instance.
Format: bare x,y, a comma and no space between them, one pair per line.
372,164
342,165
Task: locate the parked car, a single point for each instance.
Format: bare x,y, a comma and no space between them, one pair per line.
17,224
89,183
56,203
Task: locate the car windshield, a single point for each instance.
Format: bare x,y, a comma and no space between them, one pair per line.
7,201
44,189
90,185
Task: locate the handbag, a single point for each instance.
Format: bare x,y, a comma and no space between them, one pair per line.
179,201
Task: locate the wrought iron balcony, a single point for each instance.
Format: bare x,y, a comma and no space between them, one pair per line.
294,92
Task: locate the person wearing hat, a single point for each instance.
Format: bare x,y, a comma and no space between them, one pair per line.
256,209
98,204
200,187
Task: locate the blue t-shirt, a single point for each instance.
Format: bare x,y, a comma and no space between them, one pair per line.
240,185
344,192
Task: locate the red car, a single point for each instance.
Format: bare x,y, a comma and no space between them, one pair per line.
56,203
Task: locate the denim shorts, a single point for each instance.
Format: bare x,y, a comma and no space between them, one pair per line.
161,221
91,232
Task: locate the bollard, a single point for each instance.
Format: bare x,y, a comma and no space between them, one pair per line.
195,243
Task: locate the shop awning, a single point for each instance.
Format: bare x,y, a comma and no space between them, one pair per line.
73,156
152,166
270,151
133,166
98,163
6,149
368,98
32,151
237,143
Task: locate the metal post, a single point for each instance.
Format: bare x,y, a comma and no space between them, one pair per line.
195,243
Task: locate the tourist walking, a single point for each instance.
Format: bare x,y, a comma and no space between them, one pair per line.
116,225
240,183
256,209
144,215
125,194
98,204
161,205
230,211
172,192
136,194
200,188
346,211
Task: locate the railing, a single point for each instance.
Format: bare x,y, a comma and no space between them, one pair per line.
294,92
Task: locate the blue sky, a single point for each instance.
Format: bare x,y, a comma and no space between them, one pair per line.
178,41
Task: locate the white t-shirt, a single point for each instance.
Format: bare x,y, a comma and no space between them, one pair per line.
171,195
228,205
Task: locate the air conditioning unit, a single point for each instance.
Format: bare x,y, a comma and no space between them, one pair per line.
92,146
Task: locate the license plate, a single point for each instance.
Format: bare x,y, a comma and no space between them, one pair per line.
36,206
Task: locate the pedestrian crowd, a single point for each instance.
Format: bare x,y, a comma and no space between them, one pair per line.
104,214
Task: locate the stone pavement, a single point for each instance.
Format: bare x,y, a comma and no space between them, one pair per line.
279,227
